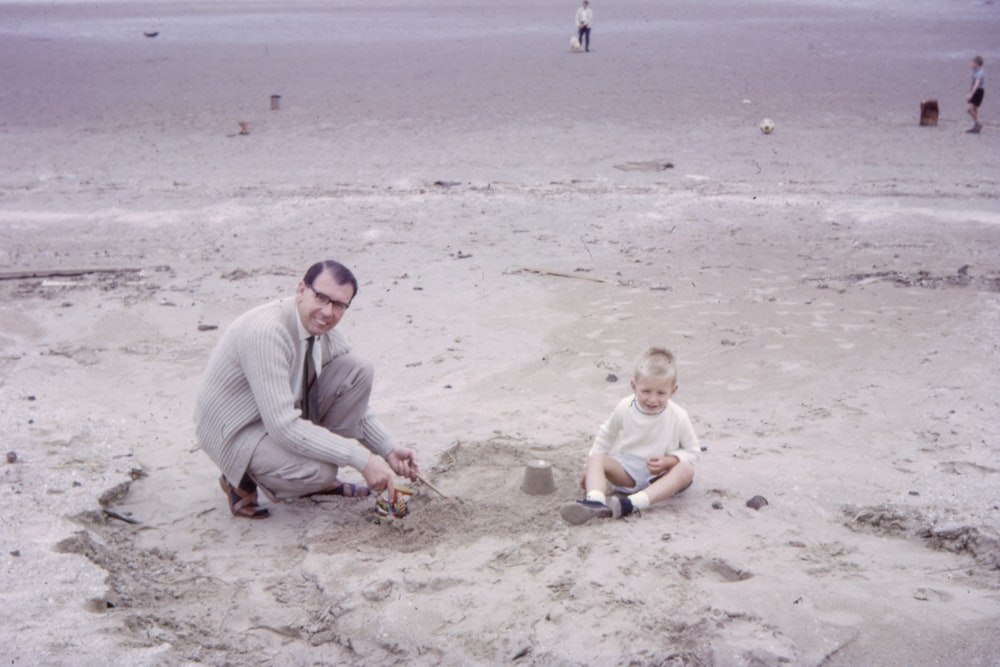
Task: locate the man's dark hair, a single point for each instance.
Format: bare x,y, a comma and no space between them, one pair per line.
341,274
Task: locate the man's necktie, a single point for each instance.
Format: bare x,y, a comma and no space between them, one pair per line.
310,407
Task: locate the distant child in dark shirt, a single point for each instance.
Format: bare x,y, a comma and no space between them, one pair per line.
976,91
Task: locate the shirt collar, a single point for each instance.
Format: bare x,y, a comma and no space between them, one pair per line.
303,334
635,404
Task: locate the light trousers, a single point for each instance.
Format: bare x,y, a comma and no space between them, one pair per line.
344,387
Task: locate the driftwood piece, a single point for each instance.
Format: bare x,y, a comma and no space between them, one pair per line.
115,515
60,273
560,274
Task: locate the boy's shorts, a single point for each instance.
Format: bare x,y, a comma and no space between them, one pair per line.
977,97
637,470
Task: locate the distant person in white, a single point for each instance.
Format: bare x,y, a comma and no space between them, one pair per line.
584,17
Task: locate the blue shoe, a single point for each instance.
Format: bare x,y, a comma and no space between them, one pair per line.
621,507
583,511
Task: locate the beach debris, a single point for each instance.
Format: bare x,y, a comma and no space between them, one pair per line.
61,273
766,126
929,113
244,127
119,517
151,34
447,184
207,327
11,457
932,595
378,591
717,505
611,377
560,274
275,102
757,502
114,494
651,165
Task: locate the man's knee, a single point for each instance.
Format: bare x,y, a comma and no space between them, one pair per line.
359,371
347,372
364,370
296,479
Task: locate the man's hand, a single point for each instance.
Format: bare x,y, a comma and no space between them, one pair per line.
404,462
378,475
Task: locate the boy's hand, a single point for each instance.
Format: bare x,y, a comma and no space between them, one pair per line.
657,465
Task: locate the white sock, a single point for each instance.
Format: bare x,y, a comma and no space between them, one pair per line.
640,500
597,496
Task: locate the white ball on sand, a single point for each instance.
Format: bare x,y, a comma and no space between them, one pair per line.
767,126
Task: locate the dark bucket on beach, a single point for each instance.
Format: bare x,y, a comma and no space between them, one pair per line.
275,102
929,112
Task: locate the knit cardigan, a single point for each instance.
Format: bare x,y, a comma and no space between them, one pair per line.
250,378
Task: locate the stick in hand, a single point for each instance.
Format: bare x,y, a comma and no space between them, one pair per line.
432,487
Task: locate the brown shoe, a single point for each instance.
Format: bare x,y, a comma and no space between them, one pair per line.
242,503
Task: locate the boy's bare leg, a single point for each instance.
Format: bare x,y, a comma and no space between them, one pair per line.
677,479
974,113
603,471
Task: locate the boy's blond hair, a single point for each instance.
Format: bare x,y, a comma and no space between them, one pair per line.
657,362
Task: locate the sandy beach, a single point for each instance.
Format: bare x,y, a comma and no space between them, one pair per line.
523,221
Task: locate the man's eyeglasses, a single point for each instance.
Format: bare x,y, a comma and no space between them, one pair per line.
324,301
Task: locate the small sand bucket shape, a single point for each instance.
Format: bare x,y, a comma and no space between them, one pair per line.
275,102
929,112
538,479
389,506
244,127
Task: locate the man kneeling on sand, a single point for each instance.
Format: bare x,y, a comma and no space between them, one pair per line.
284,402
643,453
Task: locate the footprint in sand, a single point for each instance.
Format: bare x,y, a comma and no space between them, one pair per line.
714,569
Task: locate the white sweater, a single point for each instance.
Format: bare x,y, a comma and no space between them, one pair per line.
630,431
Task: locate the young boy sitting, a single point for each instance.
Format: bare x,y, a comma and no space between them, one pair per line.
643,452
